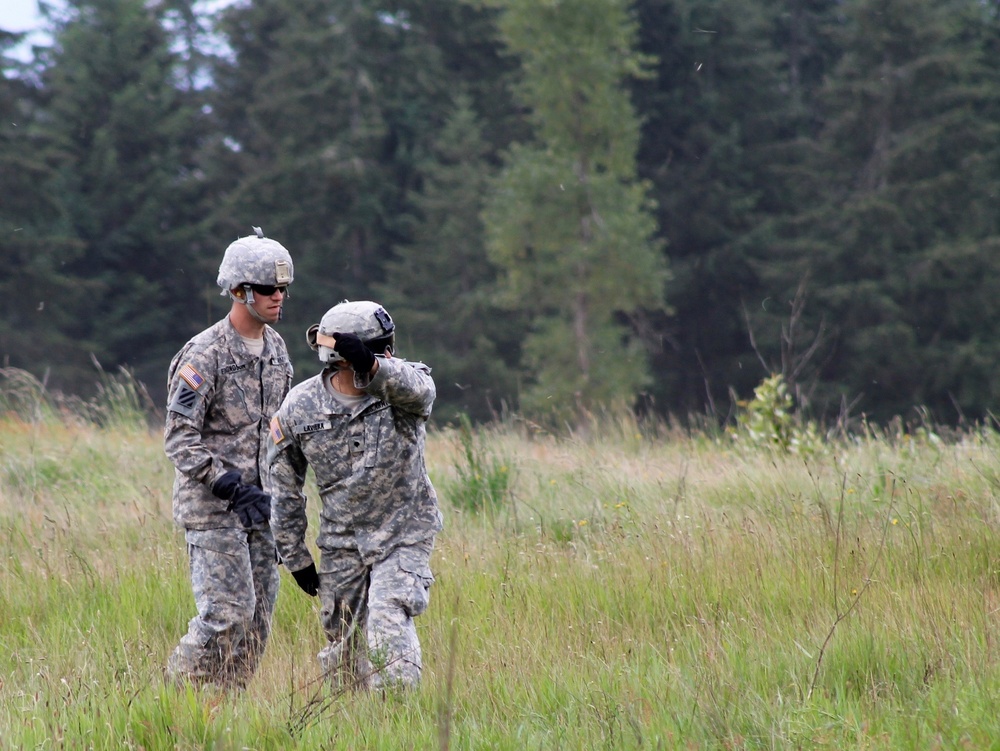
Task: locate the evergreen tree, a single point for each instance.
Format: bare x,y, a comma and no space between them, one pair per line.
325,112
326,115
898,239
569,223
302,126
439,285
724,118
119,135
39,302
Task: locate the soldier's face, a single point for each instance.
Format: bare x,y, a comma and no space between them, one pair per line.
269,306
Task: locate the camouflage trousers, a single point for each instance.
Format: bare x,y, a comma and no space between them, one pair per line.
367,614
234,575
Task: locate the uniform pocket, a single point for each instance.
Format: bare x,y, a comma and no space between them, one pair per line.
415,571
226,541
373,432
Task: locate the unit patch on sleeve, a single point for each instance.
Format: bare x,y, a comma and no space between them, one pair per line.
184,401
191,376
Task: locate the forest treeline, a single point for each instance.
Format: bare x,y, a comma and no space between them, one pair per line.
565,205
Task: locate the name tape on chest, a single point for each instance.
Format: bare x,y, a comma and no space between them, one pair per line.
312,427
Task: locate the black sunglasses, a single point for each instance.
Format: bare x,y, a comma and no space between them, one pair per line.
266,290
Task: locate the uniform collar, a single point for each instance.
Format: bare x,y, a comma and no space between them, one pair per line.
237,347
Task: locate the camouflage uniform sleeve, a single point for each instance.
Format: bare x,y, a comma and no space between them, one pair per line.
190,386
403,384
286,478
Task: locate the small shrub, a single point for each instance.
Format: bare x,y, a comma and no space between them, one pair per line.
483,479
768,420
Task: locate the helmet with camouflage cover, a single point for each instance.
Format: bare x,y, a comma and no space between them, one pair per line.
254,259
367,320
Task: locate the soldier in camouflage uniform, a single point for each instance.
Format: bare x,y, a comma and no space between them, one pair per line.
360,424
223,387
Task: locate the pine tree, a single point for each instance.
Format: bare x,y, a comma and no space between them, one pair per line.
725,120
439,286
120,135
325,112
569,223
898,240
38,302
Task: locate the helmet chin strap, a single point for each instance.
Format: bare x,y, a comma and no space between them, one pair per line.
248,300
258,316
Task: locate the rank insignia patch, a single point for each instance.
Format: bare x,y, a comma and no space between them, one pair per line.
191,376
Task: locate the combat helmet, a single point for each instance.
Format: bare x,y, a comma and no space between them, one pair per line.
254,259
367,320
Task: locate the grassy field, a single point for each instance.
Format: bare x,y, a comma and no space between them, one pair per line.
632,589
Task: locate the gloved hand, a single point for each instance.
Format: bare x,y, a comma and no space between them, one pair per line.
251,504
226,485
352,349
307,579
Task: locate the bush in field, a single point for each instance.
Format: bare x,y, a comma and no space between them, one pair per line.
482,478
769,421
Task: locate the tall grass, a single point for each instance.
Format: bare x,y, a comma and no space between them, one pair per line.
636,588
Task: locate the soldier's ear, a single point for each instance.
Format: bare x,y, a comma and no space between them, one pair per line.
239,293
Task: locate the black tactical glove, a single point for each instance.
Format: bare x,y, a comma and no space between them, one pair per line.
226,485
352,349
307,579
251,504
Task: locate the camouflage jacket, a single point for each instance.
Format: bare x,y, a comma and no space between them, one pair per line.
220,400
369,465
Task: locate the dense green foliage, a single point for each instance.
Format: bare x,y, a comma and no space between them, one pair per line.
565,204
567,221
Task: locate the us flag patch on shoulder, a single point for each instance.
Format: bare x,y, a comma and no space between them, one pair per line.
191,376
277,435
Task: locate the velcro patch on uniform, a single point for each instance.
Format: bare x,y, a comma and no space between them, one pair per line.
191,376
184,401
277,434
230,369
312,427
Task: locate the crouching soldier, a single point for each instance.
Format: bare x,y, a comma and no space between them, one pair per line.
360,424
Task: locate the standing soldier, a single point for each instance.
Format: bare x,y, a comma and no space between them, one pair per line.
360,424
223,387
